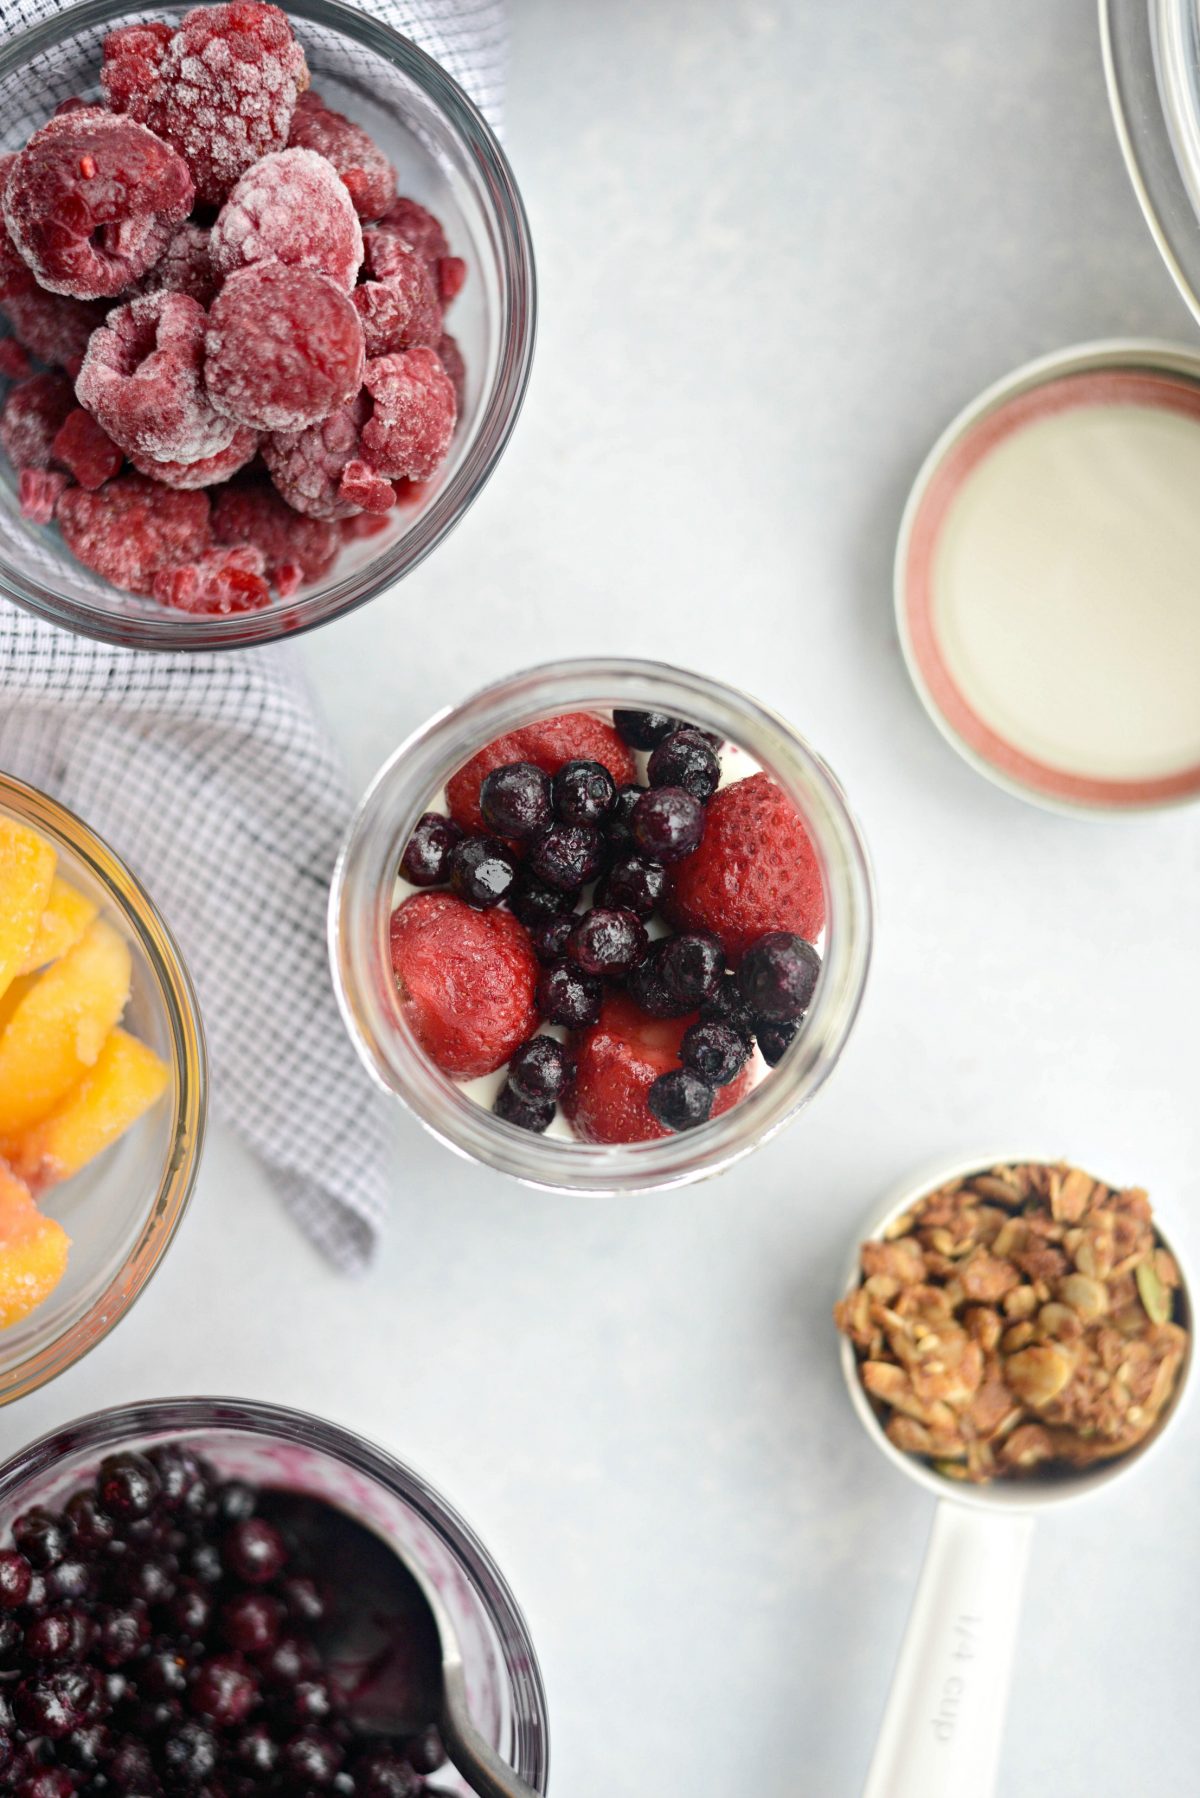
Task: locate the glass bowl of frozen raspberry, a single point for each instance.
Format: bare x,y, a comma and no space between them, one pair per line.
149,1547
267,307
103,1089
605,926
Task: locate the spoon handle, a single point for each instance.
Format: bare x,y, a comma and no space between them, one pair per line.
942,1729
477,1761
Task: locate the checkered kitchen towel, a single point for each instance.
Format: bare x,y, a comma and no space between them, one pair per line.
213,776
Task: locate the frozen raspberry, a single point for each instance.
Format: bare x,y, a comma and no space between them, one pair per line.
14,363
398,304
251,512
567,737
418,227
92,201
208,470
619,1059
451,359
39,491
369,177
410,429
132,528
467,981
83,447
217,583
284,346
755,870
221,89
362,525
185,267
16,276
307,466
290,208
142,378
360,486
451,278
32,416
52,326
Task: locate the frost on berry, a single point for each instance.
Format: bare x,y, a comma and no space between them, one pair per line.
290,208
83,447
398,304
307,466
16,276
221,89
360,486
39,491
296,548
217,583
142,378
185,267
208,470
92,201
32,416
418,227
451,359
284,348
52,326
369,177
410,428
133,528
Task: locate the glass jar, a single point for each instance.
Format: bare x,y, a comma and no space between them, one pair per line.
122,1210
445,156
295,1452
361,903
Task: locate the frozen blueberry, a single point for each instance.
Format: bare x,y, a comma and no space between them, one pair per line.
776,1038
617,827
684,759
254,1551
567,856
606,941
184,1477
526,1114
717,1052
189,1756
534,902
515,800
426,859
568,996
483,871
425,1753
549,938
584,793
726,1006
691,964
15,1577
542,1068
644,730
667,823
647,988
381,1773
680,1099
312,1758
633,883
778,975
128,1487
41,1537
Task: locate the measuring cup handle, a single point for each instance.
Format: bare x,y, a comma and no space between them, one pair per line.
942,1728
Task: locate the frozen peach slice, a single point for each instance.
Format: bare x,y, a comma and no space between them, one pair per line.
26,871
124,1083
33,1251
57,1031
67,915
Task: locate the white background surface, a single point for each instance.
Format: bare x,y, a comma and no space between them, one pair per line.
779,246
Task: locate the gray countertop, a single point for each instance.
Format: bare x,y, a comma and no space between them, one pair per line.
779,246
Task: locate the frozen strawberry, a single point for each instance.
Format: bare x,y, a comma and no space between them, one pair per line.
219,582
208,470
221,89
33,415
93,200
755,870
451,359
251,512
369,177
466,980
569,737
417,226
360,486
39,491
52,326
451,278
289,208
619,1058
185,267
133,528
410,427
86,450
398,303
14,363
142,378
284,348
307,466
16,276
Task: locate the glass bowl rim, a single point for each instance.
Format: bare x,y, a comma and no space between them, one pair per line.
177,1182
291,618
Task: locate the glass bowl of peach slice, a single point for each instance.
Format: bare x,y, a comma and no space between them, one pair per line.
103,1088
